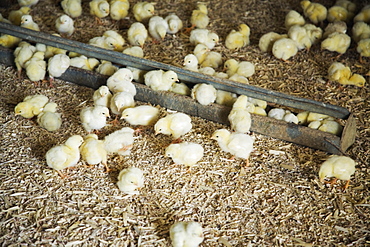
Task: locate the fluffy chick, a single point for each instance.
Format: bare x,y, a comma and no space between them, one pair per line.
141,115
204,94
238,39
118,40
360,30
203,36
94,118
356,79
225,98
213,59
84,62
363,15
106,68
102,96
338,13
174,23
93,151
72,8
2,19
15,15
293,18
338,26
36,67
65,25
120,141
103,42
57,65
331,126
300,36
339,72
284,48
363,47
176,125
243,68
186,153
27,22
180,88
31,105
130,179
239,116
339,167
64,155
316,12
157,28
136,51
186,234
27,3
199,17
22,54
99,8
267,41
143,11
121,101
191,62
49,119
160,80
118,9
121,81
201,52
137,34
338,42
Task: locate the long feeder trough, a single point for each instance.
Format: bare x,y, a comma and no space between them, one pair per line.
260,124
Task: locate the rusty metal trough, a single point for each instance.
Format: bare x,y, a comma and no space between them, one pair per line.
264,125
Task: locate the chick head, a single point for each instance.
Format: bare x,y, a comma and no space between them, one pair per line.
220,135
149,8
357,80
24,109
74,141
64,19
171,75
160,126
213,37
104,8
244,29
103,91
190,60
202,8
231,65
25,19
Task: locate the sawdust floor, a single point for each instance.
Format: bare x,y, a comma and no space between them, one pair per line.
277,200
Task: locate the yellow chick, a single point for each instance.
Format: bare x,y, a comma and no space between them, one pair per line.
118,40
93,152
94,118
347,4
27,3
64,155
31,106
201,52
239,78
99,9
238,39
186,234
36,67
130,179
338,13
120,141
207,71
267,41
84,62
357,80
331,126
27,22
143,11
300,36
258,102
293,18
302,117
363,47
284,48
135,51
290,117
243,68
103,42
338,42
277,113
157,28
339,167
360,30
137,34
175,125
213,60
160,80
106,68
338,26
119,9
239,145
180,88
50,50
174,23
313,116
204,94
314,33
203,36
121,101
102,96
239,116
339,72
191,62
316,12
57,65
141,115
121,81
364,15
72,8
64,25
199,17
225,98
15,15
49,119
185,153
22,54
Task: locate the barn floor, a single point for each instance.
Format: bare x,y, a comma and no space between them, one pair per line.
277,201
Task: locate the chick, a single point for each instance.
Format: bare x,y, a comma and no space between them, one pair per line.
213,59
360,30
339,72
338,13
363,15
316,12
106,68
31,106
72,8
103,42
49,119
143,11
284,48
120,141
180,88
176,125
199,17
121,101
203,36
338,26
347,4
121,81
331,126
15,15
102,96
258,102
27,22
157,28
225,98
27,3
136,51
207,71
201,52
300,36
130,179
243,68
191,62
186,153
363,47
293,18
339,167
313,116
118,9
238,144
239,78
238,39
314,33
22,54
204,94
84,62
159,80
174,23
93,151
36,67
338,42
357,80
118,40
94,118
141,115
239,116
64,155
277,113
64,25
99,8
137,34
50,50
186,234
302,117
290,117
57,65
267,41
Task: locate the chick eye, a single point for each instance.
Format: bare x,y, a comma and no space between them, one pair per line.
189,61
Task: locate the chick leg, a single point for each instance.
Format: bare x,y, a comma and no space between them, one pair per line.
107,169
346,185
61,174
188,30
